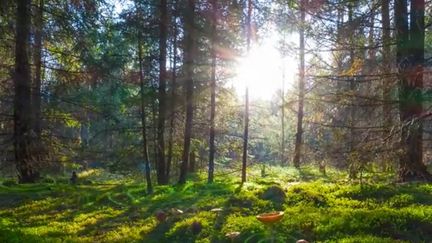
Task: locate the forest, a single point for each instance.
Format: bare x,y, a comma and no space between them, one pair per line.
216,121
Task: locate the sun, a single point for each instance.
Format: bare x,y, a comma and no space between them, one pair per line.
264,71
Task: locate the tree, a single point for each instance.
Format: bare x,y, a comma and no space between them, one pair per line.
213,92
246,113
38,151
298,140
410,60
143,119
23,132
145,154
173,92
189,16
386,59
36,94
282,143
163,35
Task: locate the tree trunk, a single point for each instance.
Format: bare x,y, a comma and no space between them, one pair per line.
353,170
246,121
145,152
371,37
143,120
38,150
173,101
410,60
299,134
154,119
27,171
386,59
213,94
340,117
282,155
163,29
192,162
36,94
189,85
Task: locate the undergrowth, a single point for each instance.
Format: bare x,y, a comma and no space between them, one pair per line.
317,208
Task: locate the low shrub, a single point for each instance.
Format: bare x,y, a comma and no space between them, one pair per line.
48,180
9,182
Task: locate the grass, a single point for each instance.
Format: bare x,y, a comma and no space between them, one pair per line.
317,208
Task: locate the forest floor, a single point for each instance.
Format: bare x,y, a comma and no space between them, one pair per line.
317,208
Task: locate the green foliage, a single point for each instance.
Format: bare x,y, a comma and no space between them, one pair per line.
365,239
248,226
248,203
307,196
48,180
10,182
101,176
274,194
121,211
182,231
62,180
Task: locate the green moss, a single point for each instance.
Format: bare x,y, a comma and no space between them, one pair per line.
248,226
320,211
365,239
183,230
275,194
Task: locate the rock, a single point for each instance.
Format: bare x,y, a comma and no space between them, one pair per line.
196,227
160,215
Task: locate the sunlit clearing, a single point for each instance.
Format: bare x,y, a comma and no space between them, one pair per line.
262,70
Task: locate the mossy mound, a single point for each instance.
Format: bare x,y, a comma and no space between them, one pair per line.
275,194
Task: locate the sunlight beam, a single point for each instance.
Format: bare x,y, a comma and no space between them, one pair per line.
261,70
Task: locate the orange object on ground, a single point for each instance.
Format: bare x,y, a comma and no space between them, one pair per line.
270,217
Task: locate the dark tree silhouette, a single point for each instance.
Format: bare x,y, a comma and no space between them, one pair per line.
213,92
410,60
163,35
189,85
23,132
